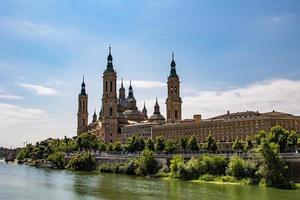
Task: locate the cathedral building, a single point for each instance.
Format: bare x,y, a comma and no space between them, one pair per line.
120,118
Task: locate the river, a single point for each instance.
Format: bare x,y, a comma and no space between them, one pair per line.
25,182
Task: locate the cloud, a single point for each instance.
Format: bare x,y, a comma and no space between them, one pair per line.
20,124
6,95
40,89
144,84
282,95
30,28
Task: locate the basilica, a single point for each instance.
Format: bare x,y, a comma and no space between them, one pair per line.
120,118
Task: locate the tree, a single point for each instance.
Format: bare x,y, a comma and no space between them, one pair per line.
146,163
259,136
57,158
160,143
170,147
279,136
110,147
82,162
193,144
292,140
237,145
117,147
132,144
86,141
272,168
183,143
141,144
150,144
210,144
248,144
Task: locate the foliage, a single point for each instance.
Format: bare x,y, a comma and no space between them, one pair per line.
215,165
183,143
249,144
82,162
237,145
292,140
210,144
241,169
146,163
87,141
150,144
57,158
272,168
170,147
160,143
134,144
193,144
279,136
177,164
117,147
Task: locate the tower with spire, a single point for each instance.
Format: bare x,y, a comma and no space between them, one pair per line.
109,102
82,113
173,101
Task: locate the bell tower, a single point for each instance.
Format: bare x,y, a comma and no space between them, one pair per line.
82,114
109,102
173,101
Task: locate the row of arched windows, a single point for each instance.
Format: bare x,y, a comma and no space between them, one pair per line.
111,86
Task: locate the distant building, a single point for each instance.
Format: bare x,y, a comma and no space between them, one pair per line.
120,118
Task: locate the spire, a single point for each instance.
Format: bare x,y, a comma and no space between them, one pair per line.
94,116
156,108
122,91
130,87
83,92
144,111
173,67
109,66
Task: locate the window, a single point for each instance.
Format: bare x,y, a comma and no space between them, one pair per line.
175,90
175,114
106,86
82,122
111,86
110,111
171,90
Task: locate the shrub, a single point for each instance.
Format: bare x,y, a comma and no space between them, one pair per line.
214,165
82,162
177,164
146,163
207,177
57,158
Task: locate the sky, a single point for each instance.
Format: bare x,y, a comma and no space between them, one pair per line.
235,55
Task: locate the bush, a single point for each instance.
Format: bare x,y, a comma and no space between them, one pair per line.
177,164
82,162
57,158
214,165
146,163
207,177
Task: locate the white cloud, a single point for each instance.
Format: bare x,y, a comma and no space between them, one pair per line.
282,95
19,124
144,84
6,95
29,28
40,89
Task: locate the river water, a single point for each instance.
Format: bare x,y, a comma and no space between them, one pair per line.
23,182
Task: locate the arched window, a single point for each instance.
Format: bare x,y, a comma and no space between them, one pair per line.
171,90
82,122
106,86
111,86
110,111
83,105
175,114
175,90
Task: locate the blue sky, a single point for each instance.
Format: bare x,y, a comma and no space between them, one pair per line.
230,55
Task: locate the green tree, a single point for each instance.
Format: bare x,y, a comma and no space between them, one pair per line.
150,144
86,141
272,168
183,143
237,145
57,158
292,140
279,136
176,166
210,144
249,144
141,144
82,162
110,147
146,163
160,143
170,147
259,136
193,144
117,146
